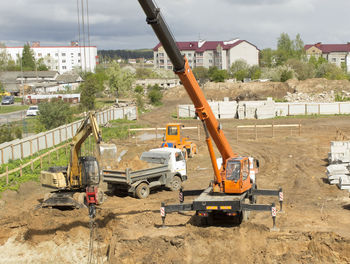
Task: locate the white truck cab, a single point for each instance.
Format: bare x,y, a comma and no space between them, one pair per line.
171,156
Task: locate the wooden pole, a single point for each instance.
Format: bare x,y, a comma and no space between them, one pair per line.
21,150
12,152
32,165
37,144
31,147
7,175
45,141
53,138
60,132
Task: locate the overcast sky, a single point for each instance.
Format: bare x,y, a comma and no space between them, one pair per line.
120,24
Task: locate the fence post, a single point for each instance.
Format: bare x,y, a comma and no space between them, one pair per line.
13,154
37,143
7,175
60,132
2,156
21,149
53,138
45,141
31,147
32,165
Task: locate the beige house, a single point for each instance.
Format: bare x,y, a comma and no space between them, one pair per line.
210,53
334,53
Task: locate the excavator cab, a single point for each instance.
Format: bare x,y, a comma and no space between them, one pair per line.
237,175
90,171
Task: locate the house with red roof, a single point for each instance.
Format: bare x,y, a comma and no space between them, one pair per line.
334,53
210,53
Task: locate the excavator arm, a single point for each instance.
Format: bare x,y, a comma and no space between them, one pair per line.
183,70
88,126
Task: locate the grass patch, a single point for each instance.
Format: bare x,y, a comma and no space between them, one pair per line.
119,129
12,108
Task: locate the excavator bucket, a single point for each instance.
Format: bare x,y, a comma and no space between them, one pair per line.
64,199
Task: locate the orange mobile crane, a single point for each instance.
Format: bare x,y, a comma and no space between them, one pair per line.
232,192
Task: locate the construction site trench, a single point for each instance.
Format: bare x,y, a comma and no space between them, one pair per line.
314,227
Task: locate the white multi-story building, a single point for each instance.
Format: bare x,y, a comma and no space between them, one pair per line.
210,53
61,58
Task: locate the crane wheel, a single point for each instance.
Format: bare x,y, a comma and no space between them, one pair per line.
142,190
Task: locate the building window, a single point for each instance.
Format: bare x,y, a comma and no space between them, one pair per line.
63,54
56,67
210,61
64,67
48,54
79,54
334,59
63,61
342,59
189,55
56,54
200,54
72,54
78,61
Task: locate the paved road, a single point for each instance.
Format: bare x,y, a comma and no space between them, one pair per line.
14,116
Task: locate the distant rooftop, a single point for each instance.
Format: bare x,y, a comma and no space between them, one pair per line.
327,48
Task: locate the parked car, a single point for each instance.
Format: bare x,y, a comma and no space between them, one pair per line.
7,100
33,110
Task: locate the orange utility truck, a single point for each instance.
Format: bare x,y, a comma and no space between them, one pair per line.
233,191
173,139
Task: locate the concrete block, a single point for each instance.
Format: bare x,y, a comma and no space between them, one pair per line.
227,109
344,182
265,112
241,111
215,108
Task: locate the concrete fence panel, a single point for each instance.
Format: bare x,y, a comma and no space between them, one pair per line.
312,109
344,108
296,109
329,108
227,109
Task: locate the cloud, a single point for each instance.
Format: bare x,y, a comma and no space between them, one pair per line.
121,24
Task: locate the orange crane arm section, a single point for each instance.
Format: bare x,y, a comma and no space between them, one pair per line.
204,112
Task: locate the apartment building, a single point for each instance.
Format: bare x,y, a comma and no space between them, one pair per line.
61,58
210,53
334,53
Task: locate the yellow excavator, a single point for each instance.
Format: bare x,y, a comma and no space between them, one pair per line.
76,184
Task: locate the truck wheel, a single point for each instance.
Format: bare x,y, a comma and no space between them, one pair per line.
175,184
142,190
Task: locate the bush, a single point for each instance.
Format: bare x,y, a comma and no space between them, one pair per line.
54,114
139,89
155,95
278,74
140,103
303,70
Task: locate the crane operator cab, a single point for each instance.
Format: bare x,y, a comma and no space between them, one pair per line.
237,178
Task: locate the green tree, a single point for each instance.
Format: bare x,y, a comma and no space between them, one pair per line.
267,58
28,61
201,73
303,70
5,134
298,47
331,71
155,95
139,89
41,65
254,72
239,69
88,89
2,88
54,114
120,81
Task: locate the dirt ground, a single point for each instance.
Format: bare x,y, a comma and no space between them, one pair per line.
314,228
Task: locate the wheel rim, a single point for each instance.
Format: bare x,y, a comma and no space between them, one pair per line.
143,191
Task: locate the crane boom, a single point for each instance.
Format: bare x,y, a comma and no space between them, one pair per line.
183,70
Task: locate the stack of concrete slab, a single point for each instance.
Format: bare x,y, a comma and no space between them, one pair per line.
227,109
267,110
340,152
344,182
336,171
186,111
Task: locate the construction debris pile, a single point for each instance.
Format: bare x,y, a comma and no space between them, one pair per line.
338,172
324,97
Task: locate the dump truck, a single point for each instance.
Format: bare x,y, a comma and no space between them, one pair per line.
233,191
174,139
166,168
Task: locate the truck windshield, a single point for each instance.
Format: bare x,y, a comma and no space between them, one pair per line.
172,130
233,170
